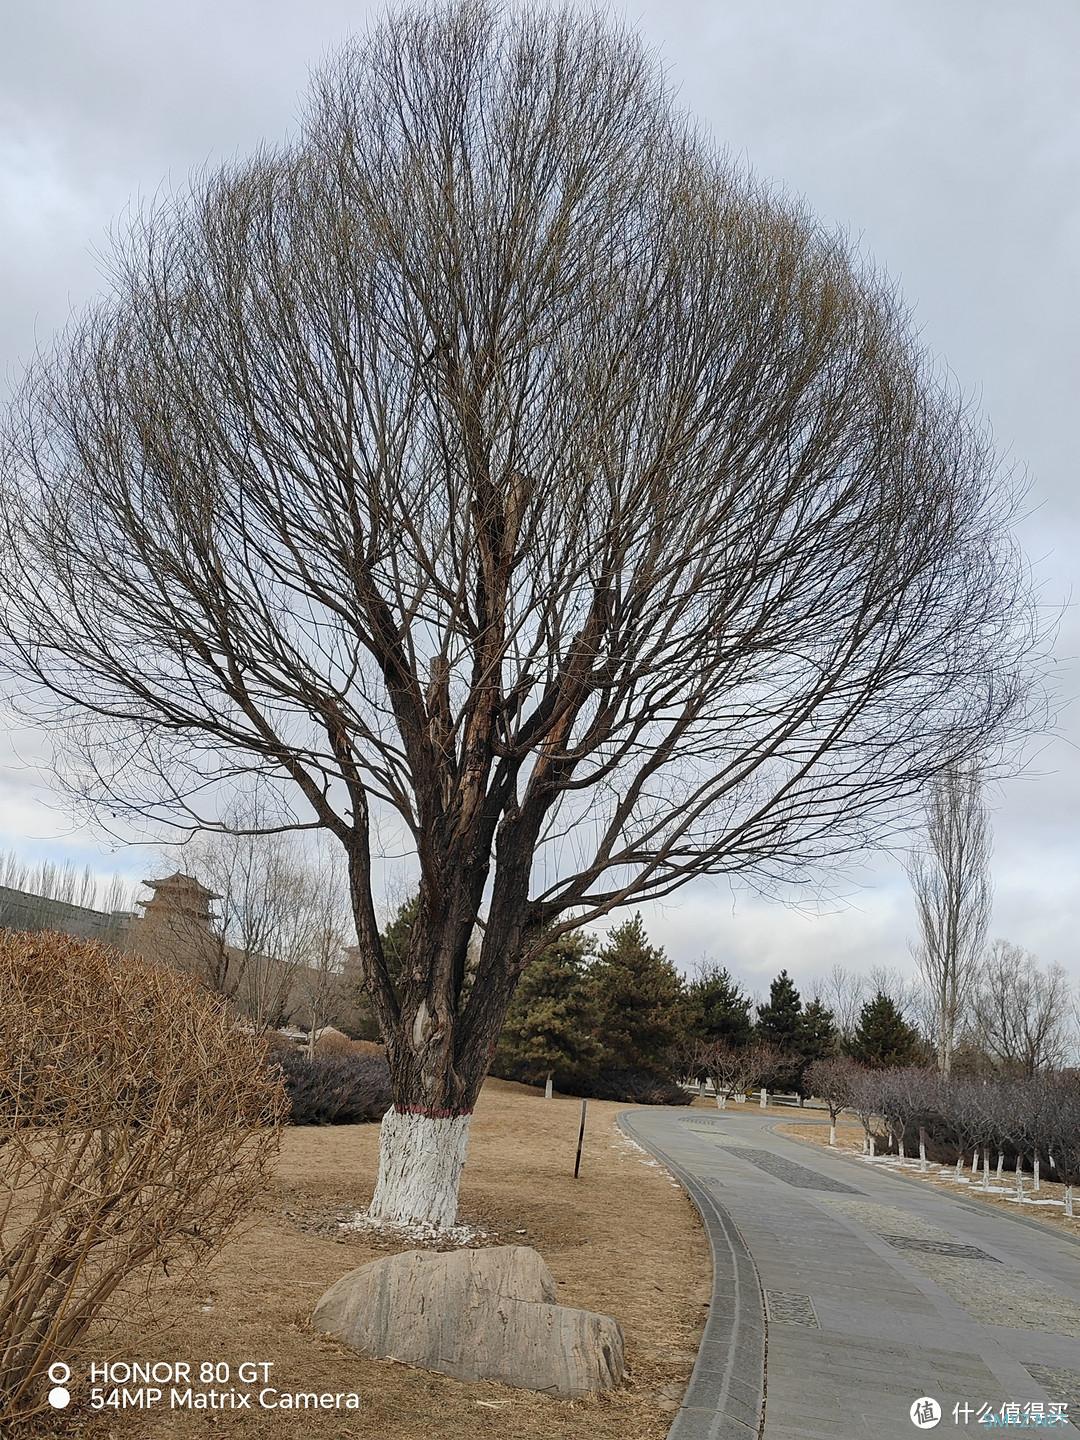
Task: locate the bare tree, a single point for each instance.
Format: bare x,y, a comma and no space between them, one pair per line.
322,981
732,1069
831,1080
281,934
1064,1137
865,1096
498,470
950,875
842,992
30,894
1022,1011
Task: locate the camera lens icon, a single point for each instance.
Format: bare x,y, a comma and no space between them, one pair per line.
59,1373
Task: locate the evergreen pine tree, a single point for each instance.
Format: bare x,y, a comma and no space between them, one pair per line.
395,935
780,1024
550,1030
395,943
883,1037
819,1035
716,1008
817,1041
638,994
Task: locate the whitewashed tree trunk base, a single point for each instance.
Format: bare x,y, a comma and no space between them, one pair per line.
1036,1185
721,1101
420,1163
832,1134
1069,1201
763,1098
548,1088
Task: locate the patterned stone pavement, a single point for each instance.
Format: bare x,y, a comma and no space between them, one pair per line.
844,1293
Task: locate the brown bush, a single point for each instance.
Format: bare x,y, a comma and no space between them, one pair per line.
333,1042
137,1123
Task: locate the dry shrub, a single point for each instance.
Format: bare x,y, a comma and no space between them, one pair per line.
137,1124
337,1089
333,1042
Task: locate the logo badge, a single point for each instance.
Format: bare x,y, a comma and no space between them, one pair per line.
925,1413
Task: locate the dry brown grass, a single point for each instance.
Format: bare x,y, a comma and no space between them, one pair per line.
622,1239
849,1138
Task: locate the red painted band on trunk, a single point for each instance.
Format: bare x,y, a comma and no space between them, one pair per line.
430,1114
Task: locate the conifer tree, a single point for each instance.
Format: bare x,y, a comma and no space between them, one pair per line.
883,1037
638,994
716,1008
551,1031
819,1034
780,1025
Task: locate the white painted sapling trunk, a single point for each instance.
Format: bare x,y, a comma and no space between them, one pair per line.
1000,1164
1035,1183
721,1099
986,1170
974,1163
1069,1201
832,1132
922,1148
548,1087
1019,1181
420,1163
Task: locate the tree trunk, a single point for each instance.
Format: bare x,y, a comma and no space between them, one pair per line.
420,1163
548,1086
986,1168
1019,1180
1036,1185
764,1097
832,1132
1069,1201
1000,1164
721,1100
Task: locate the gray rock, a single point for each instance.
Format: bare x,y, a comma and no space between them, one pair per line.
476,1315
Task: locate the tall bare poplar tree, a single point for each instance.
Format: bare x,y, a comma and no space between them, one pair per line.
950,874
497,470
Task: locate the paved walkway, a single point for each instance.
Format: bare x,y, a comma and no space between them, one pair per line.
843,1293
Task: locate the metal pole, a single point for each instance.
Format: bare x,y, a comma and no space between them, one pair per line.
580,1138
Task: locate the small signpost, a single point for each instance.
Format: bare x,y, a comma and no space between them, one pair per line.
580,1138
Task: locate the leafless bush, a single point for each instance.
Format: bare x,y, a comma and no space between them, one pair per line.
137,1123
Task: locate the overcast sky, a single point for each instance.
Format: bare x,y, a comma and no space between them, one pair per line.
946,137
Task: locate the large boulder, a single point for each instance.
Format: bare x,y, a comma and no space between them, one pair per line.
477,1315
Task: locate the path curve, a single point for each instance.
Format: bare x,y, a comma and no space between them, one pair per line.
843,1292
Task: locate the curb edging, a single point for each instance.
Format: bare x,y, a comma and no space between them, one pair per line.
725,1396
